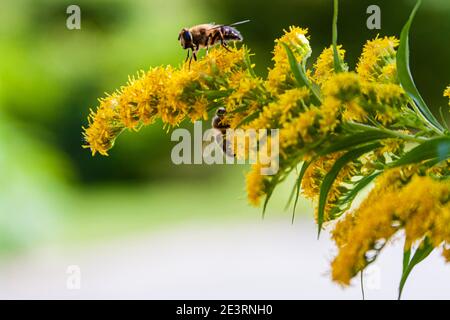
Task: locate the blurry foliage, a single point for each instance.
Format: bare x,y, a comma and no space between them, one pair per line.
33,187
53,75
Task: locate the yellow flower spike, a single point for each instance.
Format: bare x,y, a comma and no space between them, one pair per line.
377,61
416,204
344,86
324,66
354,112
329,109
104,126
162,92
256,188
279,77
278,113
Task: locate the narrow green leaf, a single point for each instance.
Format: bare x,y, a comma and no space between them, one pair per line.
298,184
272,186
435,149
405,76
361,184
406,256
354,140
299,74
423,251
332,175
443,119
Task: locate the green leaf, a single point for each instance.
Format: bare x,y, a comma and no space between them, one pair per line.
354,140
406,256
270,190
435,149
405,76
361,184
332,175
300,75
298,184
423,251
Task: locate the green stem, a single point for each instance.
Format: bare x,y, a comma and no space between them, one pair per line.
389,132
337,60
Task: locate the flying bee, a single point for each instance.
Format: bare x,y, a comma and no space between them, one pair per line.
219,123
208,35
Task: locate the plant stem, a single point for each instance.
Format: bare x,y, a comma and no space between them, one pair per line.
337,60
389,132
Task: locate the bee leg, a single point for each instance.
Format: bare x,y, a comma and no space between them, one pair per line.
222,41
194,56
187,56
225,46
207,43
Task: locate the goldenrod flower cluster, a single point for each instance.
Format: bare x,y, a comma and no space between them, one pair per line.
346,128
170,94
402,199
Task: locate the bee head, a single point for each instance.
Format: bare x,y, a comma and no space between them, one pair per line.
185,38
221,111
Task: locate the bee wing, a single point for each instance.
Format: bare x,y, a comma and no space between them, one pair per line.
229,25
240,22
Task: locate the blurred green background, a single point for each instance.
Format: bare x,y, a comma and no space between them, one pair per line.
53,191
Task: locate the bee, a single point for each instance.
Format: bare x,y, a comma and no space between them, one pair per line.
218,122
208,35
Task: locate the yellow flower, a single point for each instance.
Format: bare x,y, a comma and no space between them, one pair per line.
343,86
330,108
218,60
377,61
299,131
324,66
418,204
166,92
137,101
315,174
279,77
172,107
256,185
388,93
104,126
277,113
354,112
245,86
447,94
199,109
296,39
391,146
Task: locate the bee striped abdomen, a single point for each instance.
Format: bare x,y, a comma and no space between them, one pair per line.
230,33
